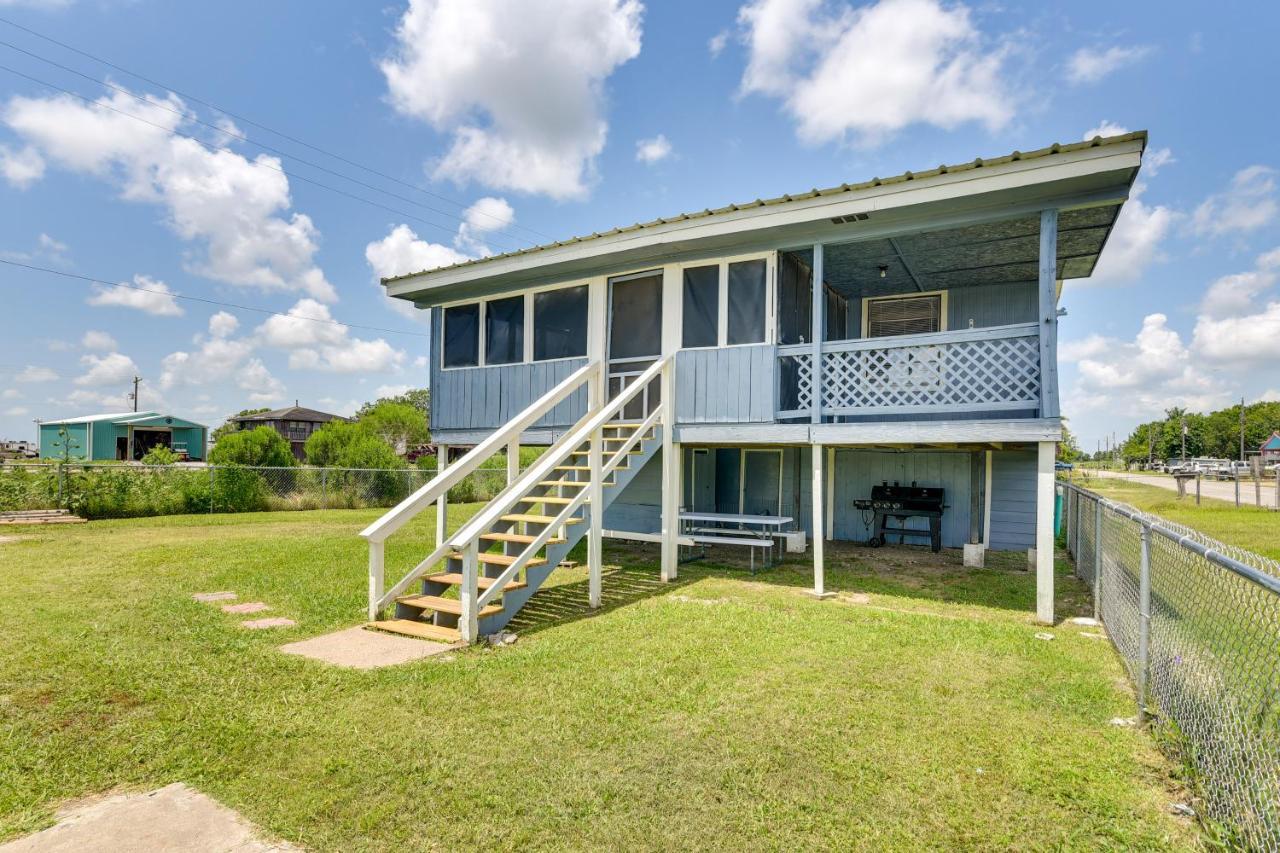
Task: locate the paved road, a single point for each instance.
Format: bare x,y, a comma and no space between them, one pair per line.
1224,491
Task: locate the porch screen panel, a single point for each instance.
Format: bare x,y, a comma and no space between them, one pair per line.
560,323
504,331
462,335
795,302
701,306
911,316
762,476
746,302
635,329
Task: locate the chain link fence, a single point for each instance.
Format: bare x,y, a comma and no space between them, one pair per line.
126,490
1197,623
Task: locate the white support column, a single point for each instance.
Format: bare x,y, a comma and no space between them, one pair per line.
817,332
595,536
468,622
986,505
1049,313
831,494
1044,532
442,502
513,460
375,578
819,517
672,481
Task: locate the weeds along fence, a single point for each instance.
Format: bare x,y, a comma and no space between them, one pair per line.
1197,623
127,490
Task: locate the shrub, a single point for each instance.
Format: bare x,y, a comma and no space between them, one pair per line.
259,447
160,455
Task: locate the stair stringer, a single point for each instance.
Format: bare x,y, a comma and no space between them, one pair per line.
513,600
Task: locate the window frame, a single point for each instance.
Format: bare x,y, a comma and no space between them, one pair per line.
722,298
943,306
529,326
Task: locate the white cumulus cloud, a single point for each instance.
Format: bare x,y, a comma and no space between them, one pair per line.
1249,203
147,295
653,150
111,369
236,210
21,167
520,86
324,345
94,339
865,73
32,373
1091,64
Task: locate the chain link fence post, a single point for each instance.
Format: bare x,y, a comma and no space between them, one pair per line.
324,488
1097,558
1144,619
211,479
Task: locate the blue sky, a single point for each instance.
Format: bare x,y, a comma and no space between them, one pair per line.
534,120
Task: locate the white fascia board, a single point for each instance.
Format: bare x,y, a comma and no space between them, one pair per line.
952,186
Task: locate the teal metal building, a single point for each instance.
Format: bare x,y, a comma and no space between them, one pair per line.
121,437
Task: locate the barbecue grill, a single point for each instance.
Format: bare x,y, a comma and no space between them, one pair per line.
900,503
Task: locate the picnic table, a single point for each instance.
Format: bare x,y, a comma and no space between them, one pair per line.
749,531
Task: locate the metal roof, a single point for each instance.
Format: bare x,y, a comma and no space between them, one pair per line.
120,418
977,163
291,413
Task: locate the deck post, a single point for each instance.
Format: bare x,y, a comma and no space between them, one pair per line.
818,332
1044,532
468,622
819,517
1049,313
986,505
375,579
595,536
672,480
513,460
442,502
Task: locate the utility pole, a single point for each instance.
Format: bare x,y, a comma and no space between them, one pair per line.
134,395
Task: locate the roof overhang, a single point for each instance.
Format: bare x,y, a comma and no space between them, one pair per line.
1065,177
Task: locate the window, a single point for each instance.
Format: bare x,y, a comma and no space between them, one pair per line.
560,323
635,327
702,306
912,315
747,292
504,330
462,335
795,297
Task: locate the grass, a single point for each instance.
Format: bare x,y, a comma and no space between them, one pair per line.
1248,527
723,711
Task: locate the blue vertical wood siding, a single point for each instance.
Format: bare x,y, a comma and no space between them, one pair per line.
730,385
1013,500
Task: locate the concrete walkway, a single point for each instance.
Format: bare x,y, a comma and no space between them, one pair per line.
1218,489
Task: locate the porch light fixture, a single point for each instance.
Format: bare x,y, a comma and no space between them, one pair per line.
884,270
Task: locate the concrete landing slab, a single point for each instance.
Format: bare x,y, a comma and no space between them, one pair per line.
273,622
246,607
207,597
174,818
361,649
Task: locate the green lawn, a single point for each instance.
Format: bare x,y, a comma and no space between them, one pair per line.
1249,527
721,711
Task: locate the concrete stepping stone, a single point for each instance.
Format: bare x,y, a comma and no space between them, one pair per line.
207,597
173,818
272,622
361,649
245,607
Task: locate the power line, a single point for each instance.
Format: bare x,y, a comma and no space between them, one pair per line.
225,132
211,147
207,301
253,123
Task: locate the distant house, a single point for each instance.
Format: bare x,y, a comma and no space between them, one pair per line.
20,448
123,436
1270,449
295,423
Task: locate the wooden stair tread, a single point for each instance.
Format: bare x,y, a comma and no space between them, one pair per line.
519,538
557,483
421,630
499,559
546,499
537,519
455,579
444,605
588,468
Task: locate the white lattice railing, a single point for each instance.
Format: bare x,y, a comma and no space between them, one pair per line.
972,370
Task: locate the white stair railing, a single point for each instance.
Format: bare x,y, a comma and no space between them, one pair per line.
508,436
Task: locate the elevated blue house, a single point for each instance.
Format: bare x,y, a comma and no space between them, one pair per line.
778,359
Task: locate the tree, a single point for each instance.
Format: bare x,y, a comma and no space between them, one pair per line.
340,444
262,446
419,398
67,443
159,455
231,426
1068,448
401,425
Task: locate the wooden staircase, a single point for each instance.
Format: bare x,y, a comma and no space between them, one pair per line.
434,613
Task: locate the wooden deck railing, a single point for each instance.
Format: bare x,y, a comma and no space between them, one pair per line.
971,370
